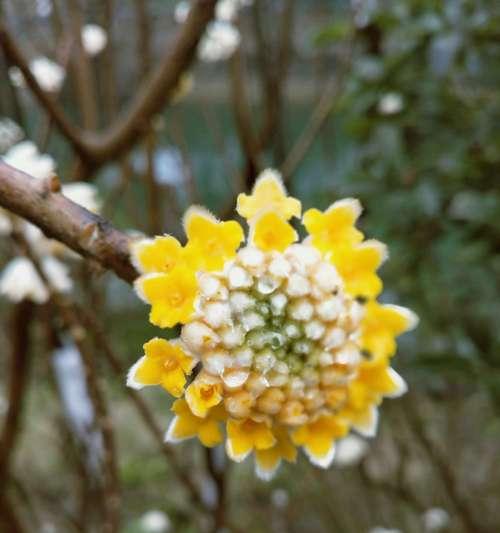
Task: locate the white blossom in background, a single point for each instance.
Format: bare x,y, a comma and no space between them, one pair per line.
280,498
350,450
390,104
94,39
43,8
435,519
78,408
25,157
181,11
20,281
155,521
10,134
220,41
49,75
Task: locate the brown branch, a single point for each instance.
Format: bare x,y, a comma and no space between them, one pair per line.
96,149
61,219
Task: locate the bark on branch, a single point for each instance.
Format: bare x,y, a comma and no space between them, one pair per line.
95,149
59,218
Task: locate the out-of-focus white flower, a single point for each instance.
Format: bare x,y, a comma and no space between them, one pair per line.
155,521
380,529
280,498
49,75
25,157
435,519
390,104
219,42
83,194
181,11
43,8
20,280
10,134
94,39
350,450
5,223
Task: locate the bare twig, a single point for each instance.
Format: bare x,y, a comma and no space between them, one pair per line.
59,218
95,149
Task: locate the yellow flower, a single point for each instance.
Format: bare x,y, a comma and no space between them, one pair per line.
381,325
160,254
357,266
268,461
318,438
334,227
243,436
268,193
164,363
210,242
372,383
269,231
290,355
203,394
186,425
171,295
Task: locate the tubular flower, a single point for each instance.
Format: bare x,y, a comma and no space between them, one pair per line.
292,348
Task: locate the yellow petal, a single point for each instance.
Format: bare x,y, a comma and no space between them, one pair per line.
160,254
334,227
172,295
269,231
245,435
173,381
203,394
147,372
268,460
210,434
357,265
268,193
210,242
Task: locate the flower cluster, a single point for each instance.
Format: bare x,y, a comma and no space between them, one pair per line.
282,342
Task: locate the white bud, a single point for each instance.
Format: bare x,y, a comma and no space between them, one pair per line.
302,256
278,303
314,330
310,376
276,379
252,258
216,361
256,384
209,285
198,336
326,277
292,331
232,336
298,286
265,361
267,284
234,379
281,367
301,310
280,267
243,357
330,308
239,278
252,320
348,355
333,338
240,301
217,314
325,359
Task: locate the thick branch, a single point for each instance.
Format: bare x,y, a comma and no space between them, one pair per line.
96,149
61,219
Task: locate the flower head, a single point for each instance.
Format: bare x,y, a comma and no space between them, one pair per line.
292,348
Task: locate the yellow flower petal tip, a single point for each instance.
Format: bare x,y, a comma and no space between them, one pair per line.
268,193
269,231
268,461
335,226
164,363
186,425
203,394
210,242
243,436
160,254
171,295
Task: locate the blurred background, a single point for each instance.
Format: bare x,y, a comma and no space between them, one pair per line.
395,102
